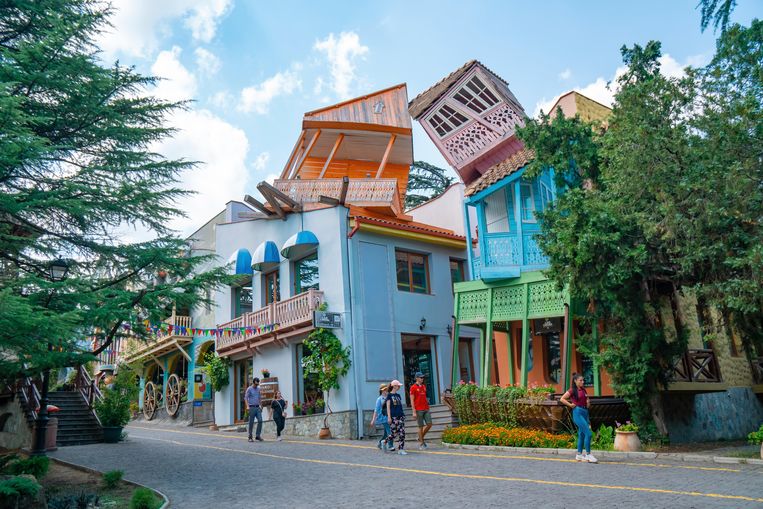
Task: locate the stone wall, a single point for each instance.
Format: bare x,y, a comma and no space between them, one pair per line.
727,415
15,433
342,425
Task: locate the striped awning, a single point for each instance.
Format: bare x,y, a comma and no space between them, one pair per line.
299,245
266,257
240,262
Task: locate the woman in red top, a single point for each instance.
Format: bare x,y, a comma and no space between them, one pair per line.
577,399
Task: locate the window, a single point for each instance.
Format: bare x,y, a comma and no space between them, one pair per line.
546,196
457,271
306,274
242,300
476,96
528,202
553,356
412,272
271,283
446,119
308,390
587,371
496,214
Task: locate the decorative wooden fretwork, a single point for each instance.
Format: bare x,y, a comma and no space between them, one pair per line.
509,303
476,267
469,141
472,306
696,366
361,192
545,300
502,250
504,118
533,253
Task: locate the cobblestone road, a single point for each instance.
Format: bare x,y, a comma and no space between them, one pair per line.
202,469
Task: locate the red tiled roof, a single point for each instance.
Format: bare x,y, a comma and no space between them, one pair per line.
500,171
399,224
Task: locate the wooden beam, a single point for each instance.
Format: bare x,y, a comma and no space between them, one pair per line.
343,192
331,155
258,205
188,357
392,139
328,200
272,201
306,154
161,366
294,151
278,194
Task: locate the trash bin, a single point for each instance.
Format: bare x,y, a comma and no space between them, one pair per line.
51,433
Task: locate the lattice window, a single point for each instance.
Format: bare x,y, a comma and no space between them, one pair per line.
476,96
446,119
508,303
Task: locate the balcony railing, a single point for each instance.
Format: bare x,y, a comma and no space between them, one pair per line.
505,251
696,366
371,193
176,334
474,138
286,315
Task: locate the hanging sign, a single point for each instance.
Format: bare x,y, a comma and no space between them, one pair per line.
547,325
327,320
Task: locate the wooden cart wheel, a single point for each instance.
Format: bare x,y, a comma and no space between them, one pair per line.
172,395
149,401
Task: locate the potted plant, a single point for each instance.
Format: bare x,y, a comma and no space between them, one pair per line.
755,438
626,437
309,408
320,406
297,408
265,373
330,360
216,368
113,410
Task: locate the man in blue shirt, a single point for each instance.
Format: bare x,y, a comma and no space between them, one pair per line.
252,400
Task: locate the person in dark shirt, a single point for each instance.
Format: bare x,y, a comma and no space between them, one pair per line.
397,417
279,414
577,399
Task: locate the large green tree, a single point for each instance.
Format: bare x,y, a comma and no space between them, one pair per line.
76,169
668,198
425,181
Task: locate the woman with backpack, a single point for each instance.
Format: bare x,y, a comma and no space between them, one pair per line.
380,416
577,399
397,416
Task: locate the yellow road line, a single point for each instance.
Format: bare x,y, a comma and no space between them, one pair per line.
565,484
450,453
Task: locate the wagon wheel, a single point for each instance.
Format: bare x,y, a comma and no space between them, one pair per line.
149,400
172,395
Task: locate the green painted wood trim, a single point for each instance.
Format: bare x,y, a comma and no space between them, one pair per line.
454,354
596,369
489,338
525,340
482,358
479,284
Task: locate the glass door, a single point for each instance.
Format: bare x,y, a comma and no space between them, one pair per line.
243,374
272,287
418,356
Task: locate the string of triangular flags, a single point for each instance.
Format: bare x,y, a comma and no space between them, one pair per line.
167,328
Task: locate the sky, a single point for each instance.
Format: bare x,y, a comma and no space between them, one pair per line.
252,69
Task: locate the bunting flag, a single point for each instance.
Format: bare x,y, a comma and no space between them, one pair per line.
180,330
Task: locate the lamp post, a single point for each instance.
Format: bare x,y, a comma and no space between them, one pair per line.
58,271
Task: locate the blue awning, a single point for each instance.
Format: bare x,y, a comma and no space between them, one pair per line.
240,262
299,245
266,257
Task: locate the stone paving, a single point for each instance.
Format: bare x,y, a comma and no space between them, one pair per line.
197,468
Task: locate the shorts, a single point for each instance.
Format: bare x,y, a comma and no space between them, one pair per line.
423,416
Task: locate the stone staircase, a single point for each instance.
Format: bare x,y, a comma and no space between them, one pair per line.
441,418
77,424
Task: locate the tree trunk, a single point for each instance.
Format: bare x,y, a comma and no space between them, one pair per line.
658,412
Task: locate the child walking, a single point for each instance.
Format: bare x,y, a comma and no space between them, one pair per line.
397,415
577,399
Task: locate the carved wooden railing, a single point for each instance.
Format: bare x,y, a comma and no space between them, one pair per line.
136,347
30,396
366,192
473,138
699,365
757,369
87,387
291,312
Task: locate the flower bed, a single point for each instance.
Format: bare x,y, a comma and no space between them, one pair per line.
495,434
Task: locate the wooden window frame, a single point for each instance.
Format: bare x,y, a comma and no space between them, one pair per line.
488,102
507,203
265,277
546,196
410,272
461,265
522,202
296,287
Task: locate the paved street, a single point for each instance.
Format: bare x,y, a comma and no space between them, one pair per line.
202,469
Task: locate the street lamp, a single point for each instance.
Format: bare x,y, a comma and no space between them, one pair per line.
58,270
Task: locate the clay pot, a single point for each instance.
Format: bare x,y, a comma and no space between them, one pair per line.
324,433
627,441
213,427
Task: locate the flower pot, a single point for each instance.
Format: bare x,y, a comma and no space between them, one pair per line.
627,441
324,433
111,434
213,427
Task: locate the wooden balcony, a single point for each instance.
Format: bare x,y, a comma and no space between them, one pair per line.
175,337
291,316
696,371
506,255
380,195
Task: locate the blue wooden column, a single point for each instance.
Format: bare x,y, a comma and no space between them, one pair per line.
469,253
454,374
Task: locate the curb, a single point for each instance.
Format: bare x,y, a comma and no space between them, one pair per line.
688,458
89,470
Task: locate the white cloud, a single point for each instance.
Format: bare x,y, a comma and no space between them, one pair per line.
222,99
603,90
565,74
257,98
177,82
342,53
140,25
261,161
207,62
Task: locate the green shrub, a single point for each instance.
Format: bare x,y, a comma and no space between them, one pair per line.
16,487
34,465
756,437
112,478
144,498
604,439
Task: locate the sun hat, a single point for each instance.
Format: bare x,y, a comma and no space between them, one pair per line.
396,382
383,387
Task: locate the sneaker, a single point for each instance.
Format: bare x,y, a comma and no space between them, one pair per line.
402,452
280,439
379,445
580,457
250,439
424,445
591,459
259,439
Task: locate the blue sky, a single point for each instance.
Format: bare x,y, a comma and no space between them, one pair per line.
253,68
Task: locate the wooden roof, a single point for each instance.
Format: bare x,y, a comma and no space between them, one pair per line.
386,109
